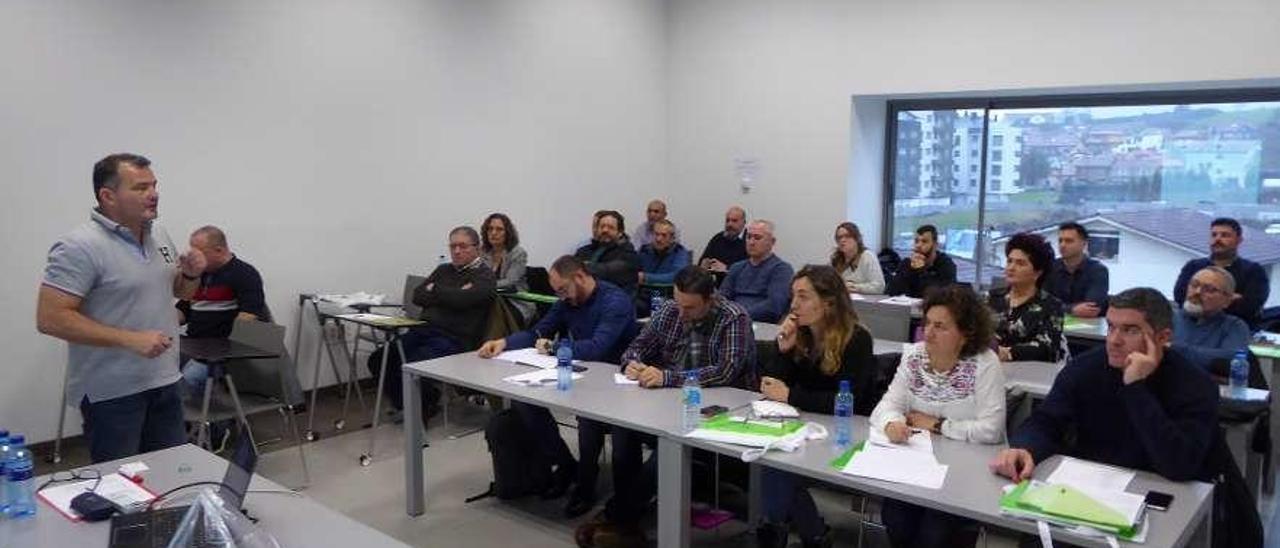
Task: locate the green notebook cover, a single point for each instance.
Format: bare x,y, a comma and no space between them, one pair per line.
843,460
1066,504
534,297
725,423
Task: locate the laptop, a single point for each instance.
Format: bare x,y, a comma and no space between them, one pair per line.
155,528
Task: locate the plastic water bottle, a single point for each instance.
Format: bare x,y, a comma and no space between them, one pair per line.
4,476
655,302
692,401
564,366
844,416
21,485
1239,374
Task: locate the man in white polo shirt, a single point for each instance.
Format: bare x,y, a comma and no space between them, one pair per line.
108,290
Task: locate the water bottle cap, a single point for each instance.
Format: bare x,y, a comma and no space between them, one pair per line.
691,374
17,439
844,386
4,433
1242,353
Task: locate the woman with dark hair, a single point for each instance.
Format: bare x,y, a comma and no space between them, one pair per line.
1030,319
949,385
820,345
500,248
856,264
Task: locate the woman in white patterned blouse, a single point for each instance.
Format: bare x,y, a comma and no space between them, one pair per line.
951,385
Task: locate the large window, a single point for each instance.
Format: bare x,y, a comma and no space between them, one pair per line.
1145,174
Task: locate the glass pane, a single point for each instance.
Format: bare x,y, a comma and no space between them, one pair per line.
1145,180
935,181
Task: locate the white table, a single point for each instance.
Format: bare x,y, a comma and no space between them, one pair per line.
973,492
293,519
970,491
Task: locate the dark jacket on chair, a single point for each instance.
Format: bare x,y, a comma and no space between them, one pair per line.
615,262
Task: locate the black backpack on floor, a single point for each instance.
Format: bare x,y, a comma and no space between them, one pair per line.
519,469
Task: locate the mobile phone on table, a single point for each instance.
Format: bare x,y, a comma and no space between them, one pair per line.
1158,501
713,410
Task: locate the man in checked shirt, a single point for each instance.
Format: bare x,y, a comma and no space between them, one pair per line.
700,331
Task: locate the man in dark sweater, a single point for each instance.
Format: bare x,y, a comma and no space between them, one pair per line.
455,299
230,289
728,247
1138,404
927,267
599,321
610,256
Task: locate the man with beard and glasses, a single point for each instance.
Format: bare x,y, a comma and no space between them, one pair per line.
1202,329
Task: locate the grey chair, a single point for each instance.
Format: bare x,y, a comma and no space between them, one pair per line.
890,322
253,387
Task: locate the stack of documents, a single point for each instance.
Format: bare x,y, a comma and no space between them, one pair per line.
911,463
381,320
745,430
113,487
540,377
530,357
1081,493
902,300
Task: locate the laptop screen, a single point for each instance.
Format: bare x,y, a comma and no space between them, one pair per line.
239,472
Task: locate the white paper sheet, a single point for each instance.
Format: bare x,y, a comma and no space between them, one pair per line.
540,377
902,300
777,409
619,378
898,466
529,356
919,441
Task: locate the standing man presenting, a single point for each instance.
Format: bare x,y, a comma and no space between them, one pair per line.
108,290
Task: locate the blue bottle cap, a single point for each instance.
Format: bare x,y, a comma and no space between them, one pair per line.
844,386
17,439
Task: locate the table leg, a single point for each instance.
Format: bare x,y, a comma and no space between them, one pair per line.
244,421
1269,472
392,337
754,495
413,436
673,493
202,429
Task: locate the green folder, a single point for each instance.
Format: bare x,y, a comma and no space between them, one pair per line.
1065,504
532,297
843,460
725,423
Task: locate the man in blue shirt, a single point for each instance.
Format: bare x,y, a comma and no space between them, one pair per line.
762,283
1076,279
659,262
1252,285
1202,330
1135,404
599,320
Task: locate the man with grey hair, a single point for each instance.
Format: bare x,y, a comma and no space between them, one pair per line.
654,212
1136,404
762,283
108,291
1202,329
455,300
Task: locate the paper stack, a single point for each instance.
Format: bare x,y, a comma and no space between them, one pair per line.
911,463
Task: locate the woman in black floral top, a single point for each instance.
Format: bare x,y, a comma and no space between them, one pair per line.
1030,319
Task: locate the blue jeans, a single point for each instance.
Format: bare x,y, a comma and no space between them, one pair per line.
137,423
786,499
421,343
194,376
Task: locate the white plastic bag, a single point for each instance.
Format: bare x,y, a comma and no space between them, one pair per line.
209,518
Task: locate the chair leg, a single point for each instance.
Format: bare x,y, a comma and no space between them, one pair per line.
244,421
62,420
287,413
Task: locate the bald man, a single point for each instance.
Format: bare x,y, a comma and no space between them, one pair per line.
728,247
654,212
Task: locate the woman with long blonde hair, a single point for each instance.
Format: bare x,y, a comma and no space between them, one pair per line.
820,345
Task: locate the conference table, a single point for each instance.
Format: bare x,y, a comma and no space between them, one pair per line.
291,517
970,489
